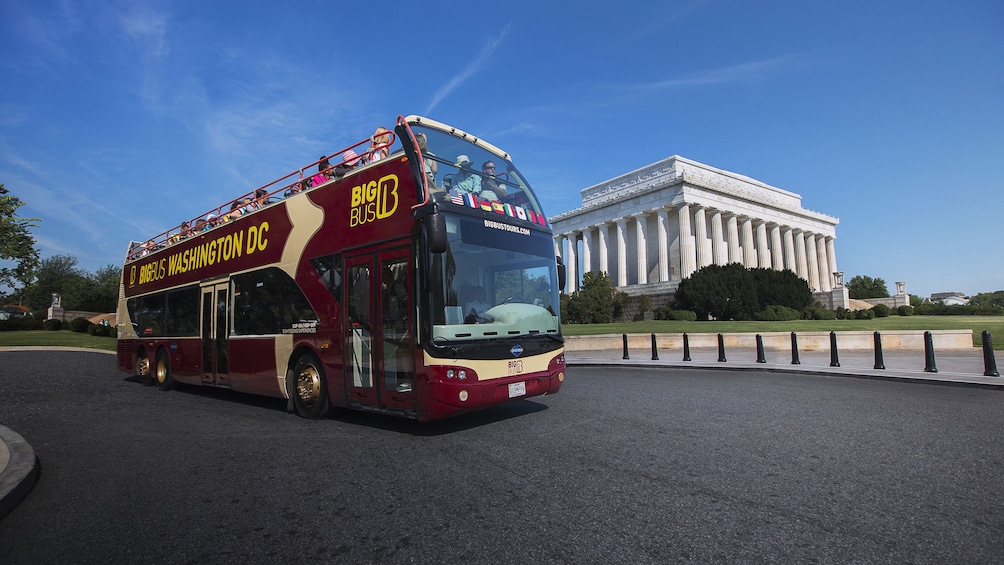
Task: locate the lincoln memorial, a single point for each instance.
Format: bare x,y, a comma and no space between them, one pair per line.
653,227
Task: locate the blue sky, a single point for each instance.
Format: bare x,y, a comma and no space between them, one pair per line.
119,119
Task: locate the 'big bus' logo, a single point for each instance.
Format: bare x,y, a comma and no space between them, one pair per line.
373,201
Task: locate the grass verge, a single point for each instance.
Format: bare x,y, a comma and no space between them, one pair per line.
61,338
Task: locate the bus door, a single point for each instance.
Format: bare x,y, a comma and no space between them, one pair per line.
215,329
379,333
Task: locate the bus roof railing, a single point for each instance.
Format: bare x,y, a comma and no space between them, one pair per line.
281,186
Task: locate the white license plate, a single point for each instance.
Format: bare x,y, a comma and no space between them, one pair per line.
517,389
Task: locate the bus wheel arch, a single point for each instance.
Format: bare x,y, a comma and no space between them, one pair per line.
307,386
162,371
143,367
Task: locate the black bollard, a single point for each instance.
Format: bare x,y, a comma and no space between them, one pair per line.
721,349
929,364
760,358
794,350
686,347
879,360
625,348
989,362
834,358
655,351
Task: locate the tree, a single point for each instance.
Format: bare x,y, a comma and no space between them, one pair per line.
995,298
596,302
80,290
16,242
862,286
734,292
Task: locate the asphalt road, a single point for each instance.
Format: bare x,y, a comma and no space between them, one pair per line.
624,466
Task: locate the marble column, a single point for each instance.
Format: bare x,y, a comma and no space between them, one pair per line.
662,219
812,262
621,251
587,243
831,256
776,253
718,248
571,266
749,251
701,238
763,251
735,252
641,234
789,250
603,249
688,255
801,262
825,275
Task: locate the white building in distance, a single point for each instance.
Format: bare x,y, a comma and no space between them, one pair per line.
655,226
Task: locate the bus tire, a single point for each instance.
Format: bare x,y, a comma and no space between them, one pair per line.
142,369
162,371
309,388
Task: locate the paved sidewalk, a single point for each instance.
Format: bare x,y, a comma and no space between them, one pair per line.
19,465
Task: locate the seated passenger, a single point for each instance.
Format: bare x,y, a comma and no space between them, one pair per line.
324,172
490,190
431,166
380,137
466,180
349,162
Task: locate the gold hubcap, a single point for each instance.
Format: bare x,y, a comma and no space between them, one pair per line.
143,366
161,372
308,385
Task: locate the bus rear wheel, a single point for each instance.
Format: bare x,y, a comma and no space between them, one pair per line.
143,369
162,372
309,388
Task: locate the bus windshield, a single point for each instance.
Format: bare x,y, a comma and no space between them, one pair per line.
493,282
457,167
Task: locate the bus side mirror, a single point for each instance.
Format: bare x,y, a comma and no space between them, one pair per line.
435,232
561,272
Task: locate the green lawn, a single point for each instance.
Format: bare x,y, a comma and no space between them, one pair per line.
977,324
61,338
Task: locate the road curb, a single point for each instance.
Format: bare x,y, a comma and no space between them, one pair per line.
20,473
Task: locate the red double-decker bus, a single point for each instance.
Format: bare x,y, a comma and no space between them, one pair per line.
414,275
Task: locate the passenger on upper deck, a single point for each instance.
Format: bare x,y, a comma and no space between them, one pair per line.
349,162
466,180
324,172
431,166
490,190
380,137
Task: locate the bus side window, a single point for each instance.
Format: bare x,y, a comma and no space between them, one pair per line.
329,268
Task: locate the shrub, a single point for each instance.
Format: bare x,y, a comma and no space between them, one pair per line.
905,310
775,313
93,329
52,325
110,331
843,314
20,324
866,314
881,311
817,312
79,325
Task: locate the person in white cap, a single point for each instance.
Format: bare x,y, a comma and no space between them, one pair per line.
465,180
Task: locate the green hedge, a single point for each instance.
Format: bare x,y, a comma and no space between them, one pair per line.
20,324
52,325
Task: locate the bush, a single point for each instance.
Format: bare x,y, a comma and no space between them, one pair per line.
110,331
843,314
733,292
905,310
79,325
881,310
52,325
667,313
866,314
20,324
775,313
93,329
817,312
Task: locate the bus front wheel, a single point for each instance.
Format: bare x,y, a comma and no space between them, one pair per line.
162,371
309,388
